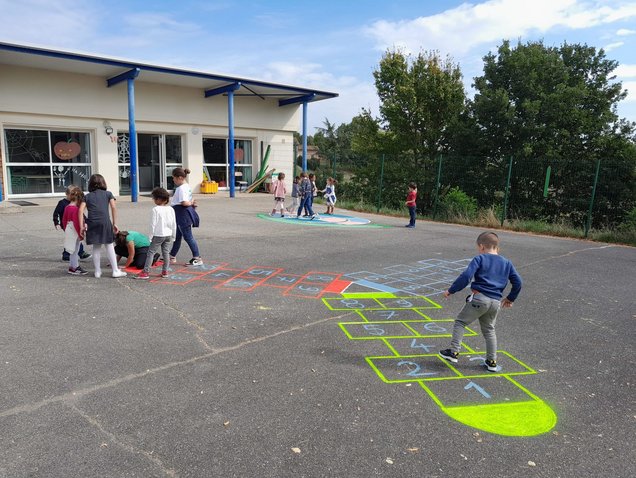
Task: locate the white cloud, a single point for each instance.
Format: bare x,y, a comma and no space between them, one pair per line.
461,29
354,94
64,23
624,32
625,71
613,46
630,86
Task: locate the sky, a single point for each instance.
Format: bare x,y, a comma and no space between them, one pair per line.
327,45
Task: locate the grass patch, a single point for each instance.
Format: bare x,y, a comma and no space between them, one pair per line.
488,218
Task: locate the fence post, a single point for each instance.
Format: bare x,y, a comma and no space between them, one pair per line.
381,181
588,223
437,185
334,165
505,208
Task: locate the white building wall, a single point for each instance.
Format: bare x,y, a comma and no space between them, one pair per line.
52,99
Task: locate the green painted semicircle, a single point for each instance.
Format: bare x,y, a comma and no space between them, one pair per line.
522,419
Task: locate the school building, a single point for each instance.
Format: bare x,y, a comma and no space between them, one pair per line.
66,115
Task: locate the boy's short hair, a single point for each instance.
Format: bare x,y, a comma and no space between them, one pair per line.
161,194
488,239
413,185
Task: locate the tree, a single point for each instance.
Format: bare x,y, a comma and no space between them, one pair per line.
553,104
419,99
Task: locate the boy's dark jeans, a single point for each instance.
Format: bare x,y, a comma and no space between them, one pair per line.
412,215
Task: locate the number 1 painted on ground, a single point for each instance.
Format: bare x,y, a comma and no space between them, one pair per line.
478,388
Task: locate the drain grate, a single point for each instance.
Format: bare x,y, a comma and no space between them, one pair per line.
23,203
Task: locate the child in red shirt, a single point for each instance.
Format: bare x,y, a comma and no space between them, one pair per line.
410,203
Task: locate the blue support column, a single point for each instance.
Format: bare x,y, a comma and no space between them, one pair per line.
304,100
129,76
132,131
230,146
229,89
304,136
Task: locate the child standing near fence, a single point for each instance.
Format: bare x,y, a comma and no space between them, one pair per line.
72,234
279,189
411,204
490,274
163,227
100,230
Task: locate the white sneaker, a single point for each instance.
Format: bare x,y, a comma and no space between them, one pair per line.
117,274
98,274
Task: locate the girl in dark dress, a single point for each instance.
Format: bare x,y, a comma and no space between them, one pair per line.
99,229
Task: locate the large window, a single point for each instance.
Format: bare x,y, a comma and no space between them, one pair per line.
45,162
215,160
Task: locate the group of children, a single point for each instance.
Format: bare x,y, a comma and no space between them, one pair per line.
172,220
303,192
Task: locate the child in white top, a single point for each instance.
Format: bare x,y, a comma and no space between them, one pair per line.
279,189
187,218
329,193
163,229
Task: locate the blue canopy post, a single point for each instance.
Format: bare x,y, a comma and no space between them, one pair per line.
130,76
304,100
229,89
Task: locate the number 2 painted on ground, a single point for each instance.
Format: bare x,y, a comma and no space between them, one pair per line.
416,371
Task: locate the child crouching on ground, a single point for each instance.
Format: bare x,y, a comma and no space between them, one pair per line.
490,274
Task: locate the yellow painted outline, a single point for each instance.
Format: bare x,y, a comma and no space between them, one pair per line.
375,297
459,375
468,333
520,418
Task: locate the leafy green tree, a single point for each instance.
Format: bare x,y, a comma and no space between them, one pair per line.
550,106
420,97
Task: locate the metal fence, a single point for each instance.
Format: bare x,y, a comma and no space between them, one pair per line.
586,194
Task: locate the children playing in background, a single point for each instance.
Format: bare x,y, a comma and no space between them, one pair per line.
57,220
100,230
294,195
186,216
329,193
410,203
72,231
490,274
279,189
306,194
163,229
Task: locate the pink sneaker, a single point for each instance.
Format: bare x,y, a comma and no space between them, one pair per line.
164,274
142,276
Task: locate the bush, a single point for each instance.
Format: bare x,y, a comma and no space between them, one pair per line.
456,204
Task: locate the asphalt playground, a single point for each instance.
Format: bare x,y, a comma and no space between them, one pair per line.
307,351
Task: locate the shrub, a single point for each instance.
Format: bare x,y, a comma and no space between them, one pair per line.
457,204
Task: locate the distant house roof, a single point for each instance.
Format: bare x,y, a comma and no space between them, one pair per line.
108,67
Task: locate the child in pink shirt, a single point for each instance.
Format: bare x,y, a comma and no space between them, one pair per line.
280,190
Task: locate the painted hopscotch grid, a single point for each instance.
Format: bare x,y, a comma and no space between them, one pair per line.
466,392
427,277
313,285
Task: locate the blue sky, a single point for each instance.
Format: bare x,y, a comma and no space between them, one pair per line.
327,45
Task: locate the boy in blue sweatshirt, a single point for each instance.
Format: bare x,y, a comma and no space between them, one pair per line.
490,274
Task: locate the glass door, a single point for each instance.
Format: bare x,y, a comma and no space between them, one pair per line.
157,156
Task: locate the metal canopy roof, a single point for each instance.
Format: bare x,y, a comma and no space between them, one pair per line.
108,67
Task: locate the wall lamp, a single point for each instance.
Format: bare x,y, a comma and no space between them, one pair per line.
108,129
